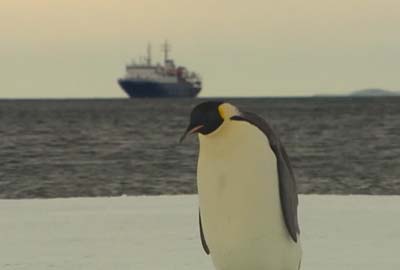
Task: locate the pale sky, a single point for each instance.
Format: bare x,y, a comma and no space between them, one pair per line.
75,48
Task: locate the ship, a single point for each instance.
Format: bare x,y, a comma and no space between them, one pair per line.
145,80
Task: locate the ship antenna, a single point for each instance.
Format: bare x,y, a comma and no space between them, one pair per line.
149,54
166,49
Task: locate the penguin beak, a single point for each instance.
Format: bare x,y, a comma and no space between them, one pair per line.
189,131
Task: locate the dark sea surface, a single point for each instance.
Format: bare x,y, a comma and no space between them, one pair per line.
70,148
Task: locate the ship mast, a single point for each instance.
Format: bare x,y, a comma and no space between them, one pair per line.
166,48
149,54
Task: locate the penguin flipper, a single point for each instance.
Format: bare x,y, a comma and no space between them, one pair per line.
287,183
203,239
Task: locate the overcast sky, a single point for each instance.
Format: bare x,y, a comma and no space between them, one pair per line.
75,48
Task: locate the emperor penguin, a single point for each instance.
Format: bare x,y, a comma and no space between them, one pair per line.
247,191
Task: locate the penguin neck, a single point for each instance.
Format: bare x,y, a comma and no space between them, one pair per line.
238,143
219,138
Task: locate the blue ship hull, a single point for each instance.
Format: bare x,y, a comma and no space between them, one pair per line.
144,89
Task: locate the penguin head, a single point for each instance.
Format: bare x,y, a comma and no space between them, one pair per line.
208,116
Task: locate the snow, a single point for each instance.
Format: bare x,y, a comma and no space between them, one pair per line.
338,232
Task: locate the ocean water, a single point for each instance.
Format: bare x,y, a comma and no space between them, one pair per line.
70,148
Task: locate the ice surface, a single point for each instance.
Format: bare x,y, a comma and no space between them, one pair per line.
338,232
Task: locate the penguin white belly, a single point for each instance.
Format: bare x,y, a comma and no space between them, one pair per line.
239,201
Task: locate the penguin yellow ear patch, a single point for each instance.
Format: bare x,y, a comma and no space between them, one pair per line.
227,110
221,111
